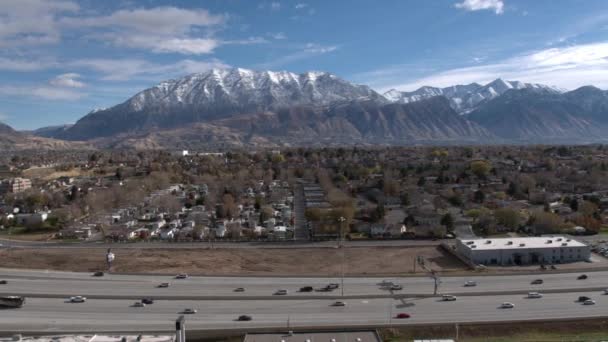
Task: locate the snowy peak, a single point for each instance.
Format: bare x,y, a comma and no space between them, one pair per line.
465,98
244,87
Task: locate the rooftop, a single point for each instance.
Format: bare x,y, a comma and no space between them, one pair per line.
522,242
352,336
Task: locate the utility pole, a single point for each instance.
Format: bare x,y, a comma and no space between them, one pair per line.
341,220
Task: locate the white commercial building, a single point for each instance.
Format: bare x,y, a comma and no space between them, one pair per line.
523,251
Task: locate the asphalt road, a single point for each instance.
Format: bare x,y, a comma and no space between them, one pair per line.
63,284
4,243
53,315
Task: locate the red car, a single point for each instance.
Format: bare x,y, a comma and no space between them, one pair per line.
402,315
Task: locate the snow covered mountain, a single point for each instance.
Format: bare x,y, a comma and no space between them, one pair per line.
464,98
216,94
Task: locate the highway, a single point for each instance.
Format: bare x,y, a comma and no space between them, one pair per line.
63,284
55,315
109,307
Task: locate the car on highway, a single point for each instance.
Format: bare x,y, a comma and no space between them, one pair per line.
534,295
189,311
396,287
338,303
333,286
139,304
537,282
448,298
244,318
163,285
589,302
280,292
386,283
98,274
181,276
3,282
402,315
583,298
147,301
306,289
606,291
470,283
239,289
324,289
582,277
77,299
507,305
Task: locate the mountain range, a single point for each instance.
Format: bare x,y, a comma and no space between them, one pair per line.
240,107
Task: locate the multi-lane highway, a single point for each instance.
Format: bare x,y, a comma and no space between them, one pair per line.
109,307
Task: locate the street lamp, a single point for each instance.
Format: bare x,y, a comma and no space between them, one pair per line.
341,220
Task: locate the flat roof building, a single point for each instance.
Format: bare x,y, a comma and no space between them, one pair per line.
523,251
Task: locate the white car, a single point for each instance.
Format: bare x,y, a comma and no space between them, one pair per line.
181,276
139,304
448,298
470,283
589,302
507,305
396,287
78,299
190,311
534,295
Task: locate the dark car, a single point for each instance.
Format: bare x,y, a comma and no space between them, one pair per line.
333,286
98,274
306,289
537,282
583,298
239,289
147,301
244,318
324,289
402,315
3,282
582,277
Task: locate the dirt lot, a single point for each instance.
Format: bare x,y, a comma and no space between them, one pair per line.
288,261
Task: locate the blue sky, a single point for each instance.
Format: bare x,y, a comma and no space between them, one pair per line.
60,59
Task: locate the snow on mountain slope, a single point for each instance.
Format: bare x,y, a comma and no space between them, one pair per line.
465,98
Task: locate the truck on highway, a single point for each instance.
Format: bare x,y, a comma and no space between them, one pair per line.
12,301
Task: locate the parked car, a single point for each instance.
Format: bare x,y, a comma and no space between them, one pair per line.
537,282
582,277
147,300
139,304
448,298
98,274
163,285
589,302
306,289
469,283
507,305
402,315
77,299
181,276
243,318
280,292
239,289
583,298
534,295
190,311
339,303
396,287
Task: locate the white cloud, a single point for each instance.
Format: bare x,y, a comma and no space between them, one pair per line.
128,69
300,6
306,51
275,6
159,29
32,22
278,35
22,65
44,92
478,5
69,80
566,67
